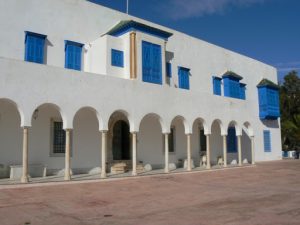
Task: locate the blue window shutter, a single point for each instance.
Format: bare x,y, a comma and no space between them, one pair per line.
151,63
73,55
242,91
231,140
216,86
226,87
183,78
117,58
34,47
169,69
268,103
267,141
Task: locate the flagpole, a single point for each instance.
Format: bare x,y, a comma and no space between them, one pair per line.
127,8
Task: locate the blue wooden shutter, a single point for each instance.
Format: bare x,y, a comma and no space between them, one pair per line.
151,63
117,58
73,55
242,91
217,86
267,141
231,140
34,47
183,77
169,69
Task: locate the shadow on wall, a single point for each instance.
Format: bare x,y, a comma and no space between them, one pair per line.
271,123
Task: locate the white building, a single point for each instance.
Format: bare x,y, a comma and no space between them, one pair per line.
84,86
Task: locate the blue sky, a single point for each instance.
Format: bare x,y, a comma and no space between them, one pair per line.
267,30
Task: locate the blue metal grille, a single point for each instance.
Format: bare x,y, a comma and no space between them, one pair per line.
59,138
231,140
267,141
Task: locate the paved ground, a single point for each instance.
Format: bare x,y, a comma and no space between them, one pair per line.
266,194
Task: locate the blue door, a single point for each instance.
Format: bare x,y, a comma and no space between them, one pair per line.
152,65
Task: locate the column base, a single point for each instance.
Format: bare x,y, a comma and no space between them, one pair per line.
189,169
67,177
208,167
133,173
103,175
225,165
24,179
167,170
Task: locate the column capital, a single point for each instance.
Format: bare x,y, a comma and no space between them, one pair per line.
68,129
103,131
134,132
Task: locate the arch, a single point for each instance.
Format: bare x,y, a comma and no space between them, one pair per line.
236,126
157,117
223,130
203,123
187,129
62,114
17,107
121,114
248,128
96,113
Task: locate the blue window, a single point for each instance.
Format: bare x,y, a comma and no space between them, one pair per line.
267,141
242,91
268,103
152,65
231,140
169,69
184,78
117,58
217,85
73,55
34,47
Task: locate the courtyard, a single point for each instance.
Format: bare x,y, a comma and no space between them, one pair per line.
267,193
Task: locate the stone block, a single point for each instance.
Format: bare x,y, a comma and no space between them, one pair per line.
147,167
95,170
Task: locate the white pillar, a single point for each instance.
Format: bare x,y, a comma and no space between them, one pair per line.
189,167
133,153
166,153
103,153
208,166
67,155
225,150
252,150
24,178
239,149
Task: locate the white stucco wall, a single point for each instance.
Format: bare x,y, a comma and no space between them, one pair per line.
101,87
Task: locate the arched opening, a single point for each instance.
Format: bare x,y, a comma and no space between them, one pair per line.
86,141
10,137
151,142
121,141
48,140
217,156
232,144
247,132
198,141
178,142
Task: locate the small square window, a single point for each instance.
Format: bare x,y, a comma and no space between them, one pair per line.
117,58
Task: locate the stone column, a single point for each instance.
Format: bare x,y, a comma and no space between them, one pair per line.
166,153
252,150
208,166
103,153
133,58
225,150
189,167
133,153
239,149
24,178
67,154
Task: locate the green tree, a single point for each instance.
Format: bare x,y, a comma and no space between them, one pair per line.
290,111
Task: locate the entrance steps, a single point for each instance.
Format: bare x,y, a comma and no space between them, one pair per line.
123,166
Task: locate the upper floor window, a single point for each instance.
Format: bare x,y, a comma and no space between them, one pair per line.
267,141
34,47
217,85
117,58
268,100
232,86
184,78
73,55
151,63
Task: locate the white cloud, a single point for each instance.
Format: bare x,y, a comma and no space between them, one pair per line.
182,9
